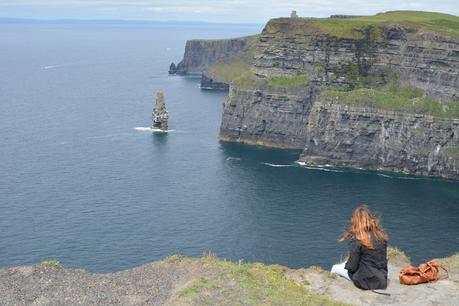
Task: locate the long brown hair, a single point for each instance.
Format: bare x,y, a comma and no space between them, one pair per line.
363,224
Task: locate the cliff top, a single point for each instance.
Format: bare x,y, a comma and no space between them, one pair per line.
181,280
352,27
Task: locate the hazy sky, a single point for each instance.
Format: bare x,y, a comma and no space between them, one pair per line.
247,11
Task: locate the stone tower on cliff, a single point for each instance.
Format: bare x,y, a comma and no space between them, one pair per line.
160,114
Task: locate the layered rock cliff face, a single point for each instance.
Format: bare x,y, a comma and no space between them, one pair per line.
425,60
347,136
396,85
270,118
201,54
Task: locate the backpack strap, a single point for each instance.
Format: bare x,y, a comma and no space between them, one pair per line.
435,264
382,293
444,269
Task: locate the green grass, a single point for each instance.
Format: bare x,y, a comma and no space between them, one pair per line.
288,82
451,152
53,263
228,72
195,288
353,27
392,97
247,284
231,68
173,258
248,80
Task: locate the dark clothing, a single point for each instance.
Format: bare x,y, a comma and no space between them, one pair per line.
368,267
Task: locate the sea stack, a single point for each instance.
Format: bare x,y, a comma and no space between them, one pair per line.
160,114
172,68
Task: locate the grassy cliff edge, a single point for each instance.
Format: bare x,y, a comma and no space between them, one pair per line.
179,280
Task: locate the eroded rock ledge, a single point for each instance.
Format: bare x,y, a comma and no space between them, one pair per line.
196,281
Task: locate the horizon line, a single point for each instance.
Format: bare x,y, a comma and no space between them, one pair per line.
13,20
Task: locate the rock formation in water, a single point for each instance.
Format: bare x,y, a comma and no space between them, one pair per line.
172,68
160,116
374,92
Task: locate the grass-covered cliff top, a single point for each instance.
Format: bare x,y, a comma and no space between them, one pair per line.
392,97
234,66
352,27
179,280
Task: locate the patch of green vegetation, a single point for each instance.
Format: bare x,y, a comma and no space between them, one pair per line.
248,80
228,72
233,67
270,28
354,28
288,81
451,151
173,258
248,284
392,97
253,39
394,252
53,263
195,288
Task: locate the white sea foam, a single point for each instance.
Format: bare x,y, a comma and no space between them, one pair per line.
276,165
233,158
326,168
53,66
149,129
143,129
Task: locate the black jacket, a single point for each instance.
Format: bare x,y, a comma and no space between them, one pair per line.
368,268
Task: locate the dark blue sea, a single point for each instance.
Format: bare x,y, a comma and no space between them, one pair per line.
80,184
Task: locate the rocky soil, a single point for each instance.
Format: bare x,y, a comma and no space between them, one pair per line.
444,292
209,281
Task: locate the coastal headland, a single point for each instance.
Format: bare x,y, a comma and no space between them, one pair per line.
374,92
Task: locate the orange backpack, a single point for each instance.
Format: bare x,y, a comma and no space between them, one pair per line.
426,272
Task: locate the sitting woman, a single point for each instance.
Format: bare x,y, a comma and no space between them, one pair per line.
367,263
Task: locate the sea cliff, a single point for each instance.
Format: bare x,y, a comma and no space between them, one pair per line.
374,92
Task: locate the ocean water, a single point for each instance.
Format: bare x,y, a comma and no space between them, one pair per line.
83,180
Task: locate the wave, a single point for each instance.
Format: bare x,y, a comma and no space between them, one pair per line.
149,129
54,66
326,168
276,165
400,176
233,158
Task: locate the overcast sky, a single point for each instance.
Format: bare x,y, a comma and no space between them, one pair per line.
238,11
